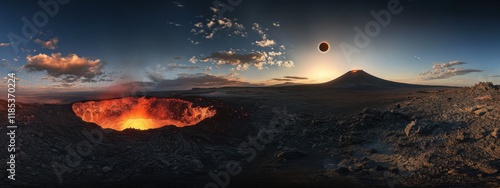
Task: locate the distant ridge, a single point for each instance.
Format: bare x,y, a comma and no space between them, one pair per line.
359,79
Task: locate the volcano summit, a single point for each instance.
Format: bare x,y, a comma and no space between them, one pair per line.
359,79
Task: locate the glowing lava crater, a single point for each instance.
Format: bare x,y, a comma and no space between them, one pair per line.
141,113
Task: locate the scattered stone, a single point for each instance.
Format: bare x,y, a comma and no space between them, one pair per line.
290,153
107,169
409,127
398,106
480,112
420,128
495,133
453,172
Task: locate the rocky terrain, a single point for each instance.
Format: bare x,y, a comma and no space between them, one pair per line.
429,137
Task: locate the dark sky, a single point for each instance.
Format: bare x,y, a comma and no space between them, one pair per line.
93,44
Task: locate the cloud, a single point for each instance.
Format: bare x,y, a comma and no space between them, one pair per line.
259,29
198,80
225,23
447,65
265,42
193,42
446,70
272,53
289,78
193,60
495,76
172,67
198,25
287,64
210,36
175,24
50,44
282,79
178,4
242,61
296,77
218,26
3,44
68,69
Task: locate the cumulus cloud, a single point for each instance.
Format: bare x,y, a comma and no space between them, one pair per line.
242,61
273,53
446,70
50,44
216,25
225,23
193,60
198,25
258,59
265,42
3,44
68,69
198,80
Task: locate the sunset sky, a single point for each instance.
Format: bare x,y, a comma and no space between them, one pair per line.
171,45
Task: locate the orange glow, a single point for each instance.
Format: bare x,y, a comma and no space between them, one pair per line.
355,70
141,113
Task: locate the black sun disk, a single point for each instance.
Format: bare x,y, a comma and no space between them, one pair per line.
324,47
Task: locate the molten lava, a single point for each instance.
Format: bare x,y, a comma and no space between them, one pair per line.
141,113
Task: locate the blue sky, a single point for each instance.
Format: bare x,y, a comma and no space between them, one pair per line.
94,45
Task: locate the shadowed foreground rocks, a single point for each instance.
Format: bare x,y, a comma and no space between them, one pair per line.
435,137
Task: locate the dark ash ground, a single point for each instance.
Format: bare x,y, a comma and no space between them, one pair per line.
322,137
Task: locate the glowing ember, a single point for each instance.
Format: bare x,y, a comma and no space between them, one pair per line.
355,70
141,113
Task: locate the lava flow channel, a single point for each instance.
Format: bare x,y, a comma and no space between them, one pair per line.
141,113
